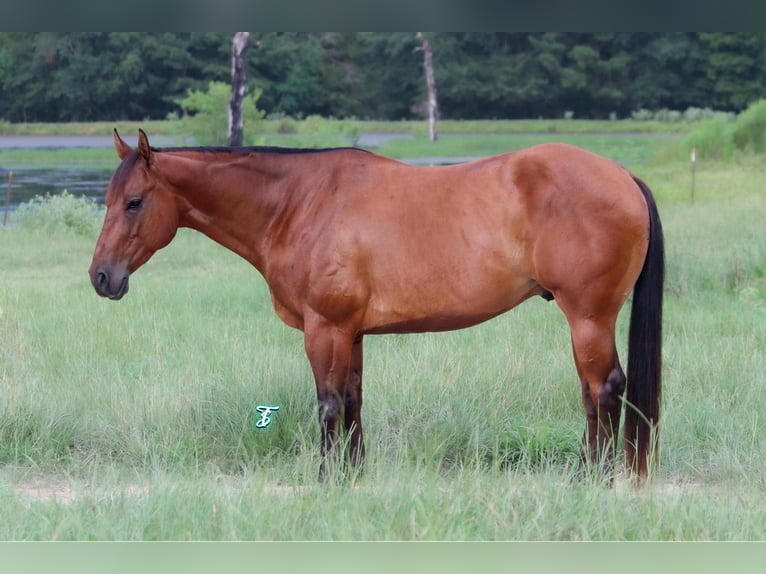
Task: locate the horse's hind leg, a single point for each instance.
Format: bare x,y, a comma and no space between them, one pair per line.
603,384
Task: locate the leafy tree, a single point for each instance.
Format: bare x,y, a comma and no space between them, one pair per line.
292,71
66,76
734,67
208,122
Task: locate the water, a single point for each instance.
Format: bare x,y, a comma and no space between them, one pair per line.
30,182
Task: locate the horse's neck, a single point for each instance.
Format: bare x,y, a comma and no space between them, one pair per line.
228,200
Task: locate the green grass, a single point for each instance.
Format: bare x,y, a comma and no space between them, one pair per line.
165,127
176,127
632,150
134,420
89,158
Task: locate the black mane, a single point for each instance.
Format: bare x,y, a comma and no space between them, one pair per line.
257,149
126,166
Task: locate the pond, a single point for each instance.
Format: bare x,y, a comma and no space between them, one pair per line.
31,182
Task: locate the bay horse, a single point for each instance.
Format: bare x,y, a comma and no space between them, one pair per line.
351,243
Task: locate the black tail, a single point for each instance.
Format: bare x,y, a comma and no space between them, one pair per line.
645,349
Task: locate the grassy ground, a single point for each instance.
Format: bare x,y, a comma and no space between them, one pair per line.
134,420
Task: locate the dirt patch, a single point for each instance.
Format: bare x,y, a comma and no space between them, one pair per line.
63,492
66,492
45,491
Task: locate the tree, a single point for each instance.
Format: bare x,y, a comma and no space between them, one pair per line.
239,43
734,68
67,76
428,68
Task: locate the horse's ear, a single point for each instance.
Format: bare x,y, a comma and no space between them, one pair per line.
143,147
120,146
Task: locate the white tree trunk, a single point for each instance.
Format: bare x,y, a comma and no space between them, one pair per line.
239,44
428,65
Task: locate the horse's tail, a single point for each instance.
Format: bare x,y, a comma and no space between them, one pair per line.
645,349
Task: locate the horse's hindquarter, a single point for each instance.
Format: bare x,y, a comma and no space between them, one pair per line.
590,222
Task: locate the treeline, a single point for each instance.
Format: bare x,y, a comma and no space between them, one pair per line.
67,76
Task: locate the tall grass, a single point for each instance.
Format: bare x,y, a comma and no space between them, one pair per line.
134,420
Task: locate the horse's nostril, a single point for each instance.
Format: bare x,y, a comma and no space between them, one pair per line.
102,278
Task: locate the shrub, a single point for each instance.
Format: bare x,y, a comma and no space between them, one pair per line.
642,115
208,113
316,131
691,114
287,125
63,212
750,128
712,138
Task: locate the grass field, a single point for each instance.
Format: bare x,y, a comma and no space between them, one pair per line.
271,126
134,420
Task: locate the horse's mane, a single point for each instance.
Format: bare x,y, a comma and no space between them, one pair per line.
257,149
125,167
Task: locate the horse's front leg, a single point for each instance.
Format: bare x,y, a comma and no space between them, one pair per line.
353,403
329,350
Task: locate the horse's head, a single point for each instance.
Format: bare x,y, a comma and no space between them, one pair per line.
141,217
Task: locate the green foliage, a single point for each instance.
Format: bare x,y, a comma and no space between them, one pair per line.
61,213
712,139
316,131
71,76
750,128
81,76
691,114
721,135
208,119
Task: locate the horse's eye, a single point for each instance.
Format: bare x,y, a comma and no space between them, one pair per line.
133,204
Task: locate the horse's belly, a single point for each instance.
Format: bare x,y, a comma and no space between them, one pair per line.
431,323
440,309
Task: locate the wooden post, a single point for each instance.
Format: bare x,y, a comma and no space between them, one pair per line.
428,66
239,44
8,197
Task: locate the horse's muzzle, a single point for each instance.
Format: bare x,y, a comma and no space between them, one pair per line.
112,285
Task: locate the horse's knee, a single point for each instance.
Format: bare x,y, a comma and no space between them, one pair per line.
330,410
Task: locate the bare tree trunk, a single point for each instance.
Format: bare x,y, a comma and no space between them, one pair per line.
239,44
428,65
